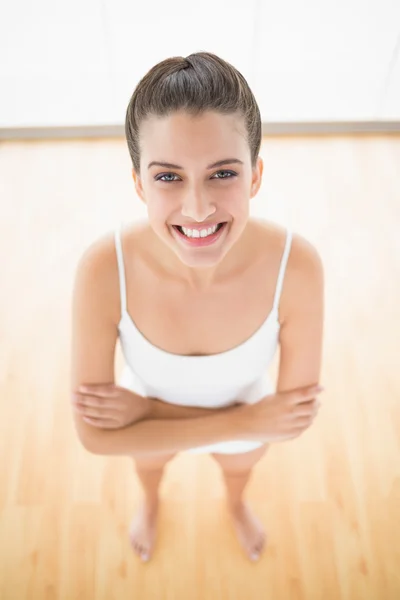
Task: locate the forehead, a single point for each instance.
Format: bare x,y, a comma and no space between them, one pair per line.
181,132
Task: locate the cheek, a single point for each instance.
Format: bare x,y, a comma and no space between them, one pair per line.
235,204
157,210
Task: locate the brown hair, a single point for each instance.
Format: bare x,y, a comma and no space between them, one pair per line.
198,83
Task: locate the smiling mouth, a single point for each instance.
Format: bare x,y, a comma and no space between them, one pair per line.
198,240
179,228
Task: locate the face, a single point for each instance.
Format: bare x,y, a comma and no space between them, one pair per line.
192,191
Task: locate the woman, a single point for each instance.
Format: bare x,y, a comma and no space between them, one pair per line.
200,295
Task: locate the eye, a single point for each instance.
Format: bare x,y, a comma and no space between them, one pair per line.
160,177
231,173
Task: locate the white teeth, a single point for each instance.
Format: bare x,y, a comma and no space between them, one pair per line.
196,233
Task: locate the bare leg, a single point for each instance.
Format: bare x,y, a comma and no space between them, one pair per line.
235,484
249,529
143,528
236,470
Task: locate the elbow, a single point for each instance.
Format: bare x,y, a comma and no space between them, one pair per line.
88,436
90,444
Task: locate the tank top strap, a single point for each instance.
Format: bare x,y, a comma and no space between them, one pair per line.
121,268
282,269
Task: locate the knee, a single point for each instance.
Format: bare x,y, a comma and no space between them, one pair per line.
153,462
237,468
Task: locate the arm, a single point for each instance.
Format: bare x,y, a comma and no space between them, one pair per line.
165,410
154,436
94,334
301,335
94,337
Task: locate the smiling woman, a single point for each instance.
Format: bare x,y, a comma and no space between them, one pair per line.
200,295
193,197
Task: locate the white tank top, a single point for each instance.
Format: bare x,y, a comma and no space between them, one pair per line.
209,381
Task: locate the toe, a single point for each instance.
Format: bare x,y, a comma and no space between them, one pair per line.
256,550
260,546
254,555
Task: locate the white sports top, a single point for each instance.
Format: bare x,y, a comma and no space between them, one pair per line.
210,381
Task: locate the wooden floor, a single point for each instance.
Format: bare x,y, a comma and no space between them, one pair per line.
330,500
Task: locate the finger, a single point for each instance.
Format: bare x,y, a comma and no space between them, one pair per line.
301,426
100,402
102,423
84,407
306,408
304,415
87,400
92,421
95,413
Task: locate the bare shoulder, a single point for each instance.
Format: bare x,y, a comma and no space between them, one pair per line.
274,237
103,249
304,269
99,261
94,270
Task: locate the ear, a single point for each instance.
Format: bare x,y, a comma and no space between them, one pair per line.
257,177
138,185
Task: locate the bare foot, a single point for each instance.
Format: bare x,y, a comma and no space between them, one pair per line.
249,530
142,531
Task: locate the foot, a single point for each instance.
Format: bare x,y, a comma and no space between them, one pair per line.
142,531
249,530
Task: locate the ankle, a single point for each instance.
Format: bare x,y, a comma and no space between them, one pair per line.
151,504
235,505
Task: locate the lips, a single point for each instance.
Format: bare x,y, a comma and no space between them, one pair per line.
198,240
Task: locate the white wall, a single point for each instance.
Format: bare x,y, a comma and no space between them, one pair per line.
77,63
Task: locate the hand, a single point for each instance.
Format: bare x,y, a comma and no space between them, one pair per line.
281,416
109,406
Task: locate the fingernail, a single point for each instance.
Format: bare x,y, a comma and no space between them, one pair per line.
254,556
145,557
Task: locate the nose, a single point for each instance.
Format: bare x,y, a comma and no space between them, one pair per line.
198,208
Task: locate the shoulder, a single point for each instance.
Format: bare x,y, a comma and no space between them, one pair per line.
304,275
274,236
303,254
93,272
305,278
101,254
98,264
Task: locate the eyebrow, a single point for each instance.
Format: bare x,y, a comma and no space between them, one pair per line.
219,163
